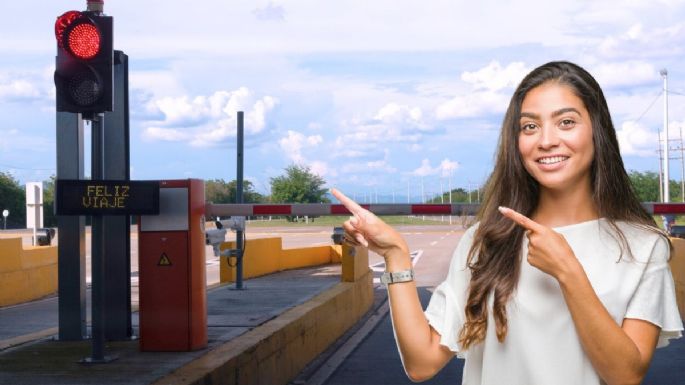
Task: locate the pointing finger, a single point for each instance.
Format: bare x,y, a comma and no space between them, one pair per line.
521,219
347,202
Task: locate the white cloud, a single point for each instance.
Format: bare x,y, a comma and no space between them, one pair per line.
425,169
638,41
625,73
206,120
637,140
443,169
490,92
321,169
293,144
471,105
392,123
393,113
447,167
270,12
494,77
18,89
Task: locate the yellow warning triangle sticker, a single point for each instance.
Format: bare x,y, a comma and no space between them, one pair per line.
164,260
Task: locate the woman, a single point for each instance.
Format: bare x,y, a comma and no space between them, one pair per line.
565,278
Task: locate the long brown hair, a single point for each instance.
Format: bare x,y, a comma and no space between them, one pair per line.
495,256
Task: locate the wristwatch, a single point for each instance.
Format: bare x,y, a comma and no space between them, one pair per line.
399,276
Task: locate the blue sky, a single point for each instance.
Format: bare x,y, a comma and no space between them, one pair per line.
377,97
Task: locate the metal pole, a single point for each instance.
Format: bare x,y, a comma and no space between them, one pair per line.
682,167
449,186
239,199
667,197
98,250
661,169
71,234
96,254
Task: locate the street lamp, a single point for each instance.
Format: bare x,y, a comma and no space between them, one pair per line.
5,214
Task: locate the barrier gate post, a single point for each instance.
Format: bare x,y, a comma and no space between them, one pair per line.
171,258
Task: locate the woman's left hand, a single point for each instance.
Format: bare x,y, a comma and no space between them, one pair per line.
547,249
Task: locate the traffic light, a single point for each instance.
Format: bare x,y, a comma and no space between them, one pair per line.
83,73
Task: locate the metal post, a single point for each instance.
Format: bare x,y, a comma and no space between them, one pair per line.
661,169
449,186
71,236
239,199
97,253
117,284
682,167
667,197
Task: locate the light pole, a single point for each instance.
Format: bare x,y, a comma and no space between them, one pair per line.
664,75
5,214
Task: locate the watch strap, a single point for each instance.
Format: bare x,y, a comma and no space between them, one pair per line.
388,278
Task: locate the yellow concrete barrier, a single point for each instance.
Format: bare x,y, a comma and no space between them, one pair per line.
275,352
678,269
266,255
27,273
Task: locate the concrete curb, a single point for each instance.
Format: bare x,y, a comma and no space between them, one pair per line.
278,350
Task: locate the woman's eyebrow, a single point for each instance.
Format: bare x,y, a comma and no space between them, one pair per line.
564,110
556,113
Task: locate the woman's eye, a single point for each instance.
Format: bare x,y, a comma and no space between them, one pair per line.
528,127
567,123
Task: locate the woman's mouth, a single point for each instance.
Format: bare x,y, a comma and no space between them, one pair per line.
552,159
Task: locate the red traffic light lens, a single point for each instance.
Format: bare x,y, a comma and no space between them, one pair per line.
78,34
83,40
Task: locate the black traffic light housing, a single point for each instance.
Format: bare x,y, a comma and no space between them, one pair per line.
83,71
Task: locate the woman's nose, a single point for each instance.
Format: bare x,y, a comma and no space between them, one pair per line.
549,137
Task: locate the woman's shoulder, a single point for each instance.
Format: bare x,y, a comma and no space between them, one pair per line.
645,242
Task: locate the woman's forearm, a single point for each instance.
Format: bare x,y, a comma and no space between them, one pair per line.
612,352
422,354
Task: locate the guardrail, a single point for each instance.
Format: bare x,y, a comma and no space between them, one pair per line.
312,209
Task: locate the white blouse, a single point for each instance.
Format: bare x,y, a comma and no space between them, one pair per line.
542,346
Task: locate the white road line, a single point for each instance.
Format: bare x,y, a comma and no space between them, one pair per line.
433,243
379,267
417,256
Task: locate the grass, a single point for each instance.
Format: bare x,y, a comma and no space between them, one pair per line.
338,220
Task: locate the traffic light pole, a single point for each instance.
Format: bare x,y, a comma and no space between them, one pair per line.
239,199
98,251
71,238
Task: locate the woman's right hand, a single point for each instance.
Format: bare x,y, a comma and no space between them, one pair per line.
366,229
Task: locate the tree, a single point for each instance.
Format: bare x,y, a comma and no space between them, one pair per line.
49,219
646,187
13,199
218,191
298,185
459,195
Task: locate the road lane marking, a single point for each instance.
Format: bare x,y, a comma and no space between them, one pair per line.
379,267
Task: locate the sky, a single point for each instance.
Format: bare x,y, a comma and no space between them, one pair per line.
387,100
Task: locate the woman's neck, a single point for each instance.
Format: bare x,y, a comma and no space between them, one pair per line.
565,207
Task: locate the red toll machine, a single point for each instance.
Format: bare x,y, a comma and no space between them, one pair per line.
171,259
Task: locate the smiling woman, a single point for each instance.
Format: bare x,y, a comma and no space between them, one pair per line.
567,284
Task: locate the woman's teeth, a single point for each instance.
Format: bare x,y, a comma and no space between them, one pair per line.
554,159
